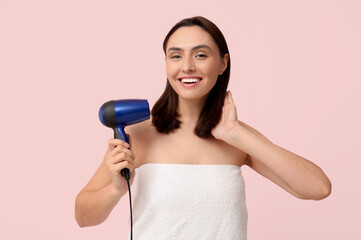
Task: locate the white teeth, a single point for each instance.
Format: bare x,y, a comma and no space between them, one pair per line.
189,80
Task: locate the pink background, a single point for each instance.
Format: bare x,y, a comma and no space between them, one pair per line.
295,77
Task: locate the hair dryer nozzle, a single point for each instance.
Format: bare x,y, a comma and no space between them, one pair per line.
124,112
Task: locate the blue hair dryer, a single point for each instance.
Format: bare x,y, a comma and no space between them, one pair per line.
117,114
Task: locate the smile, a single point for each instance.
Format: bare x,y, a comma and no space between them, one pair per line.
189,80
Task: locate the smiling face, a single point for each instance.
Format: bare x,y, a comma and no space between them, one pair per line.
193,62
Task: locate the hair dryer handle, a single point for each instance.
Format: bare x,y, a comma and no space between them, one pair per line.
120,134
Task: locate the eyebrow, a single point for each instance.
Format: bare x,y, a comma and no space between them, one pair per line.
194,48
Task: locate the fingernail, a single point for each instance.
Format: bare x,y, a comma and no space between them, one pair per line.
126,144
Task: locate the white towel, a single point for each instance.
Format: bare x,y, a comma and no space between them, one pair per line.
185,201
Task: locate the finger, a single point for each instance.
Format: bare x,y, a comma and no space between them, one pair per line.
118,167
113,162
120,149
230,97
226,99
112,143
115,142
121,157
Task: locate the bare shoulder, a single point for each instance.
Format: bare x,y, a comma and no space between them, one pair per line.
141,138
139,128
141,132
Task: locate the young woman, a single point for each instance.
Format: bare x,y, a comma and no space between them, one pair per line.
188,155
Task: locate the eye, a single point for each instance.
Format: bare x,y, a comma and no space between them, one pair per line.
201,55
175,56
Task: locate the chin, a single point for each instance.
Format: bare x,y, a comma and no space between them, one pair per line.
193,97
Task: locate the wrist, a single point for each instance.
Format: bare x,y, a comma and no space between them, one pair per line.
240,137
115,192
232,133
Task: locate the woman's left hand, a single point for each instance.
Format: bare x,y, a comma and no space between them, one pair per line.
228,120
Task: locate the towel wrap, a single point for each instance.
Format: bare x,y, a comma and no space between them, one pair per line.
187,201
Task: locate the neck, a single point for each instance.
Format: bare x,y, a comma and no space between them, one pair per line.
189,111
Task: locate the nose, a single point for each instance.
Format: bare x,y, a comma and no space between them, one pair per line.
188,64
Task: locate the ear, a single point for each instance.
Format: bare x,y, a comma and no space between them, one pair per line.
224,63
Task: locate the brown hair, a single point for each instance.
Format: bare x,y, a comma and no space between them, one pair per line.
164,111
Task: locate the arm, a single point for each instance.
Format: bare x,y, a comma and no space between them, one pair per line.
295,174
93,207
97,199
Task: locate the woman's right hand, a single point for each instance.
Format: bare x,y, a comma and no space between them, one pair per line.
117,157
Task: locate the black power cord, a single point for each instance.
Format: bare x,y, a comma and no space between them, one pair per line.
125,172
127,176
